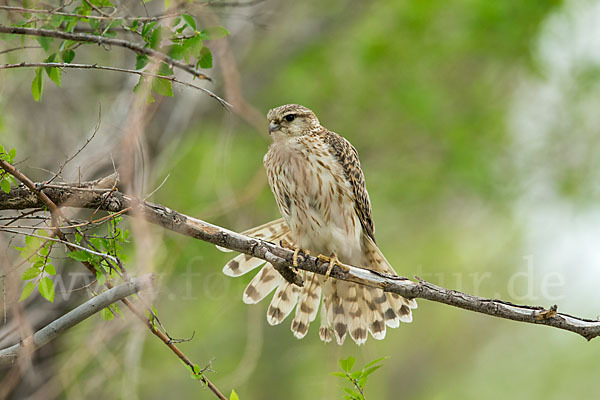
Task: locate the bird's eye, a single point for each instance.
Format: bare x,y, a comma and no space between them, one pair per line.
290,117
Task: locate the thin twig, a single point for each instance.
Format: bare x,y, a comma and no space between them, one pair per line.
102,40
19,48
68,160
221,101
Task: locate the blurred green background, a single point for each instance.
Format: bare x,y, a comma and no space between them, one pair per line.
477,126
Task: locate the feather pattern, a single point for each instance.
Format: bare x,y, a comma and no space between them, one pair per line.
320,190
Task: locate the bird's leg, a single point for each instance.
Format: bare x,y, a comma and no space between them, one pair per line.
284,243
332,260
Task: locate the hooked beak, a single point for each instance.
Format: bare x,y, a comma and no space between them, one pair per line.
273,127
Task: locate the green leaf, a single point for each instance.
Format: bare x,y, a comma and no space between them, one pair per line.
67,56
54,74
375,361
30,273
79,255
147,29
369,371
205,58
195,371
347,364
37,86
141,60
214,32
72,21
12,154
155,38
192,46
233,395
107,314
189,21
164,69
49,269
46,289
5,185
44,42
356,374
27,290
56,20
176,52
78,237
162,87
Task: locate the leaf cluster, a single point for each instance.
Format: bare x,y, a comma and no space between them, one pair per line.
5,178
358,378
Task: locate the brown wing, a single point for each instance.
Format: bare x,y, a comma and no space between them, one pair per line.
347,156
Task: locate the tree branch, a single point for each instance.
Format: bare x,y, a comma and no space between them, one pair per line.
102,40
73,317
70,196
115,69
37,191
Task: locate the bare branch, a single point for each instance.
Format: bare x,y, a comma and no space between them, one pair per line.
102,40
74,317
116,69
66,196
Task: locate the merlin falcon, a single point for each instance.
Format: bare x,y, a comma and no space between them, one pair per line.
319,187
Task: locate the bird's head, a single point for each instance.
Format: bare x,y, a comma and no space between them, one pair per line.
292,120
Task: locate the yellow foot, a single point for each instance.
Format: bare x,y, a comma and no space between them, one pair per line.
297,250
332,260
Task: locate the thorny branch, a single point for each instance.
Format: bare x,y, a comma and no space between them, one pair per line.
70,196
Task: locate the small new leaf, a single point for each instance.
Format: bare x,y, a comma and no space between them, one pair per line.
37,86
189,21
27,290
5,185
44,42
233,395
205,58
79,255
67,55
141,61
214,32
347,364
30,273
162,87
107,314
49,269
46,289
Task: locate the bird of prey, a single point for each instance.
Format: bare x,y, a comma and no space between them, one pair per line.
319,186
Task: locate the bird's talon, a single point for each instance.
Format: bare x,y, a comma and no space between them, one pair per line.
295,257
332,260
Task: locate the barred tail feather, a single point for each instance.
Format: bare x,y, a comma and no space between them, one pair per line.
262,284
308,305
346,308
284,300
